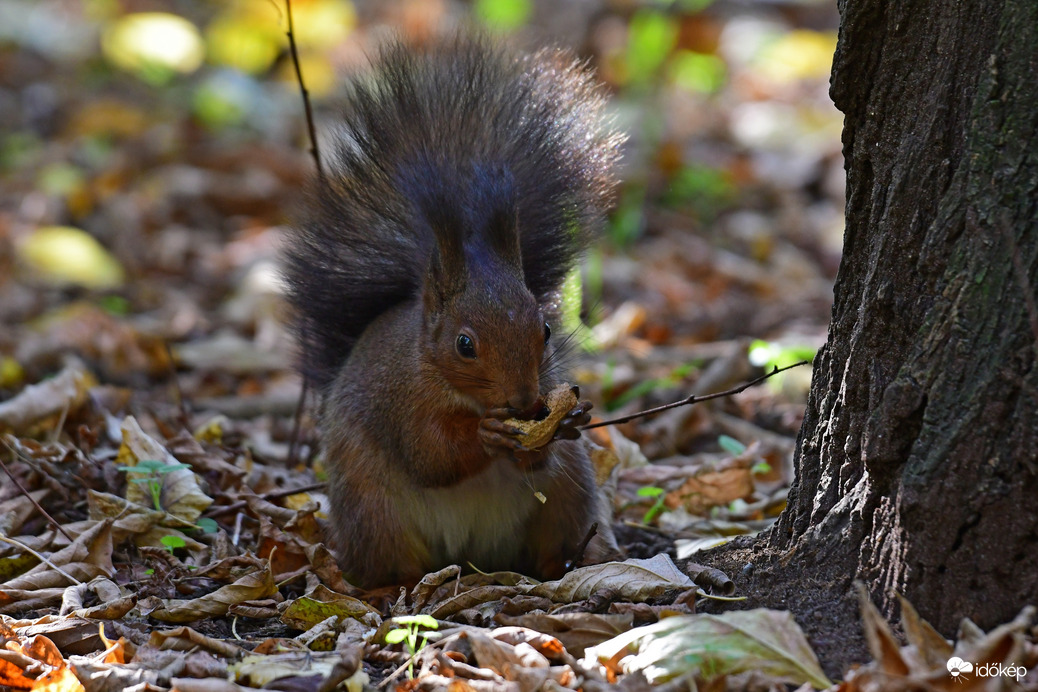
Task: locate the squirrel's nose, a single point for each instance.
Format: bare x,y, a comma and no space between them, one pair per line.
524,400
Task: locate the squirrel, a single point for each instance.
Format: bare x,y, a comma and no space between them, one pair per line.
425,276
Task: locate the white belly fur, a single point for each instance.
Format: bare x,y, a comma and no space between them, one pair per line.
480,520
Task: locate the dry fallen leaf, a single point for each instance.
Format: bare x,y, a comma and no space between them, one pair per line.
631,580
257,584
710,646
62,394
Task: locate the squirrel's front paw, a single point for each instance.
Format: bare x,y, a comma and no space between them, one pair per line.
498,436
569,426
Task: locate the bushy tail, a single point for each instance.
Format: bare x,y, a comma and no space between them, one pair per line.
428,124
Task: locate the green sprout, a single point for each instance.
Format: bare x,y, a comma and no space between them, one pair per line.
657,507
153,471
409,634
172,542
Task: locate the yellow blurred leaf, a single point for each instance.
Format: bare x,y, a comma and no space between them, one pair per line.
800,54
318,73
66,255
249,43
153,45
11,372
108,117
322,24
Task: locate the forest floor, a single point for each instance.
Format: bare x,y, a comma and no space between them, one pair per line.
140,220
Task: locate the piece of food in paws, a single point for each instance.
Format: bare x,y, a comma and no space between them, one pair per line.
539,428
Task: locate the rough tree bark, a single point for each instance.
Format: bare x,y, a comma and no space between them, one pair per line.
917,464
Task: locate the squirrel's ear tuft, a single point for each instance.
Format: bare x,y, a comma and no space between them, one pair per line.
446,275
496,209
503,236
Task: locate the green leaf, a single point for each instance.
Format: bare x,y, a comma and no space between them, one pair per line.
172,542
697,72
649,491
422,620
396,636
650,37
731,445
207,525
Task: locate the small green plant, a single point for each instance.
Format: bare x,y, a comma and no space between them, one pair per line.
172,542
735,448
657,507
409,634
152,471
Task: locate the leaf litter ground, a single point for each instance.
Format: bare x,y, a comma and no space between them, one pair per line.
160,349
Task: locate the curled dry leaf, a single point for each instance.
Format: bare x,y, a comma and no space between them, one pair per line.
559,402
710,646
573,631
926,662
712,488
71,635
631,580
89,556
321,604
258,584
261,671
187,639
63,393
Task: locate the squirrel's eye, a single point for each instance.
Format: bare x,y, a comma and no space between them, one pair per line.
466,349
547,332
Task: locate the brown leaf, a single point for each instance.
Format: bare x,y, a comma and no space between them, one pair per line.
61,394
258,584
883,646
187,639
89,556
711,488
632,580
573,631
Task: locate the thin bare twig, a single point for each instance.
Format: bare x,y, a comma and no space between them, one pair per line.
293,447
694,399
42,558
284,492
178,393
297,424
25,492
302,90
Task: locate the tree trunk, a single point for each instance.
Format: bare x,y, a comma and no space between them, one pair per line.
917,464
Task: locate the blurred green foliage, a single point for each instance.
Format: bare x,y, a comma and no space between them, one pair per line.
673,378
507,15
698,72
700,191
651,36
